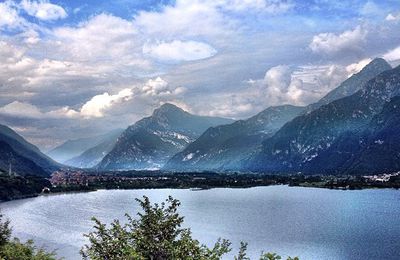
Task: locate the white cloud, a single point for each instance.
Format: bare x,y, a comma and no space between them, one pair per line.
282,87
281,84
392,55
270,6
9,15
96,106
31,37
330,43
393,17
370,8
278,77
160,87
27,110
43,10
21,109
176,51
357,67
184,18
103,36
205,18
156,91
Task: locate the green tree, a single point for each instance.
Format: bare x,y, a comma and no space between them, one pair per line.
14,249
273,256
5,231
242,252
156,235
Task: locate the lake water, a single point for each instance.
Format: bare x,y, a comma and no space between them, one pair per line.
305,222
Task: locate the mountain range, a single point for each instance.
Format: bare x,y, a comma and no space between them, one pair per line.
237,148
72,149
222,147
322,141
92,156
353,129
152,141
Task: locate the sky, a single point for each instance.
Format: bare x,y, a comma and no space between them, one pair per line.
72,69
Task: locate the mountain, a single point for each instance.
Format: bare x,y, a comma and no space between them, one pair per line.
15,144
221,147
11,160
376,149
224,147
73,148
152,141
353,84
301,143
92,156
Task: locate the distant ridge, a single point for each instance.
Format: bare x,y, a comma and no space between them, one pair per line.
20,148
92,156
225,148
73,148
354,83
222,147
151,141
306,143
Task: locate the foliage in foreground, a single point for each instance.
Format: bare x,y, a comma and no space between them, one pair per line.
157,235
11,249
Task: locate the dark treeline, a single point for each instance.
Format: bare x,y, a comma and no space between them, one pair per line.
17,187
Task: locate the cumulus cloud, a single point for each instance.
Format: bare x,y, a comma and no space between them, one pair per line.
103,36
392,55
230,105
96,106
331,43
283,84
189,18
393,17
154,91
282,87
176,51
20,109
43,10
93,108
26,110
211,18
357,66
159,88
85,64
9,16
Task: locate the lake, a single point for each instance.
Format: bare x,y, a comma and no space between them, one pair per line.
306,222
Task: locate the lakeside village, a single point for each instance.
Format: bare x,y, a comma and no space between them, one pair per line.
14,186
156,179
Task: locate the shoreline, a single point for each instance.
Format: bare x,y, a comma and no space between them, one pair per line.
195,189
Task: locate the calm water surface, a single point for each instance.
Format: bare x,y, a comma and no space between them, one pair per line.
310,223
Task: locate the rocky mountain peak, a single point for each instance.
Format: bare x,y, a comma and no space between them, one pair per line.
377,64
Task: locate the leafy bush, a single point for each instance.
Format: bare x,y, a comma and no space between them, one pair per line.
15,250
157,235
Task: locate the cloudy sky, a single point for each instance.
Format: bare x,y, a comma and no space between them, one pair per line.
74,68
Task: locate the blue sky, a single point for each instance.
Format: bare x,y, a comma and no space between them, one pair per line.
76,68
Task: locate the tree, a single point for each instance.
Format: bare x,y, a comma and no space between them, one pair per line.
5,231
242,252
14,249
156,235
